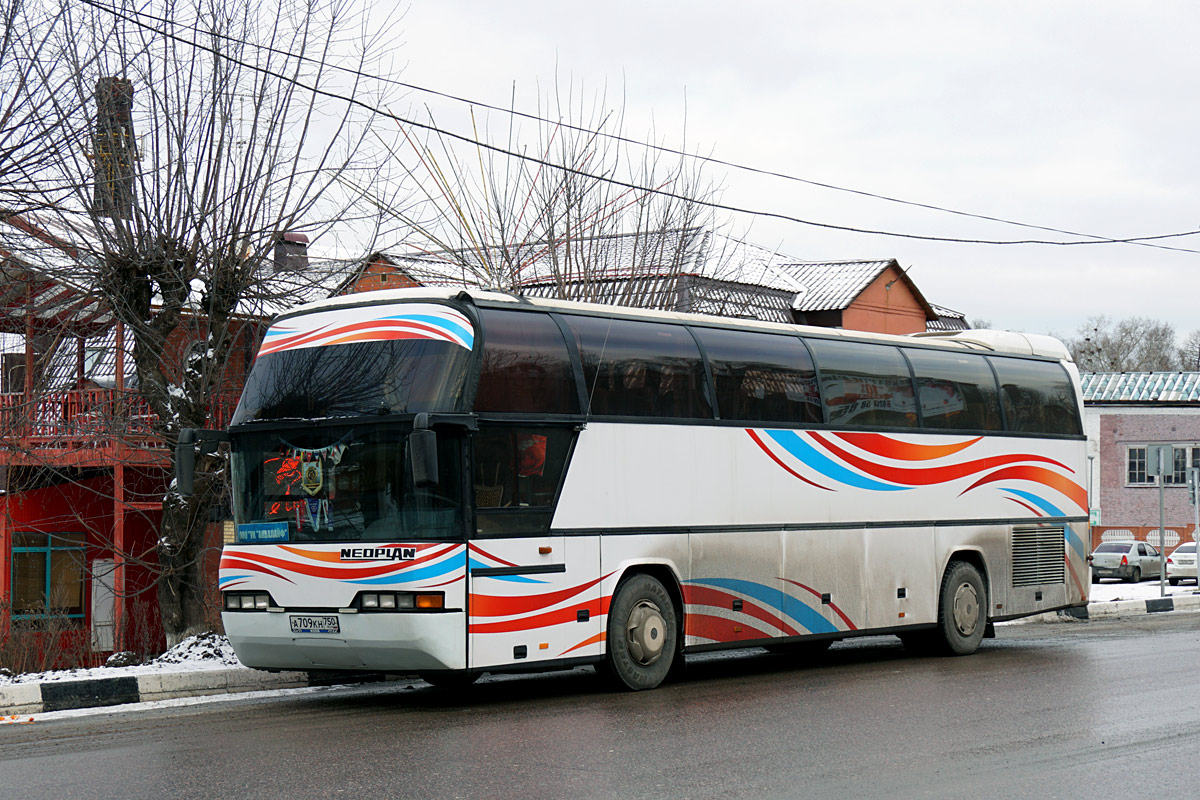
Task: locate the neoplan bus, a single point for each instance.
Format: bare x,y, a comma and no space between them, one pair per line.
455,482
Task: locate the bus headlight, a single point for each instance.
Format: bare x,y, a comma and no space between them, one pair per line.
400,601
247,601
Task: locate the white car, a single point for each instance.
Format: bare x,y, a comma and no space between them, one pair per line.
1182,563
1129,561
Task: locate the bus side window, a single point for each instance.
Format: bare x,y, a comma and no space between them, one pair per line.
640,369
956,390
516,472
761,377
865,385
526,368
1037,396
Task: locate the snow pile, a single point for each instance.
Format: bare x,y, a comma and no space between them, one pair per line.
202,651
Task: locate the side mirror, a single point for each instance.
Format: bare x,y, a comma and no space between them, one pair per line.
422,452
185,455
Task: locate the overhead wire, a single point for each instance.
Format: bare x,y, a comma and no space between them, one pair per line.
135,18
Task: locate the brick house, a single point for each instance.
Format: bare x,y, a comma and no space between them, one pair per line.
1123,413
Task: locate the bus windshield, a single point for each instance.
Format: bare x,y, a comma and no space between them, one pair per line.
344,483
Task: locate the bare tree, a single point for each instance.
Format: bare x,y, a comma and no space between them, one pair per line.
34,129
585,207
218,126
1134,344
1189,352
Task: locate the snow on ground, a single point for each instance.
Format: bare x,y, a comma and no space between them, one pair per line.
1111,591
202,651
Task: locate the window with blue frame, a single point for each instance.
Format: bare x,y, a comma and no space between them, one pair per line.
48,575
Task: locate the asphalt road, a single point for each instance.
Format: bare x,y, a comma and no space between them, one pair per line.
1104,709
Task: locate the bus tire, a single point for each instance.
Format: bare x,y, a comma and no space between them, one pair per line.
962,610
642,635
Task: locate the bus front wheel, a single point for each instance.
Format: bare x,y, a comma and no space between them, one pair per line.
962,609
642,634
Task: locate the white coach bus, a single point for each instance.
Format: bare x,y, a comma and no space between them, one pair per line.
455,482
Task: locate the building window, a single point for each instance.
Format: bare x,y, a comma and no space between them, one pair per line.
1135,459
1183,457
1179,467
48,575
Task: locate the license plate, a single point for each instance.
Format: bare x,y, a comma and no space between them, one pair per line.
305,624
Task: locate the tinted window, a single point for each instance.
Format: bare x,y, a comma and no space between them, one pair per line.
525,365
516,475
957,390
357,379
1109,547
1037,396
761,377
641,369
343,484
864,384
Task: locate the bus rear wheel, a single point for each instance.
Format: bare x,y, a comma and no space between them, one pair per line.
962,610
642,634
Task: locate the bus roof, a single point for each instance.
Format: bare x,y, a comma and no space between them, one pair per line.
1010,342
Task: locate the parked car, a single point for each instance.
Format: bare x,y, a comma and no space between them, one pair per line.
1182,563
1129,561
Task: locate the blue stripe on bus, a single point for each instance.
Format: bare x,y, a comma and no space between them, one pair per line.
1054,511
407,576
777,599
806,453
466,334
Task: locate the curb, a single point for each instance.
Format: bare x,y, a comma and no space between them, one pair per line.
1122,609
1136,608
36,698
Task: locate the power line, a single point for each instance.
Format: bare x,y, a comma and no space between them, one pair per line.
1148,241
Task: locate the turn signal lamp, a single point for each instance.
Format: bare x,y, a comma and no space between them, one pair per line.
430,601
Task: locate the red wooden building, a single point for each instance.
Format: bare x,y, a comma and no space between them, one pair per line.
82,474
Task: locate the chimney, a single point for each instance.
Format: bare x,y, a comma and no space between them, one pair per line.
291,252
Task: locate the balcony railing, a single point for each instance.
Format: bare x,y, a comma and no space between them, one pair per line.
89,418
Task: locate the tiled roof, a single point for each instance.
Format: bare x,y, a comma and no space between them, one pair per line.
1141,387
539,267
832,286
947,319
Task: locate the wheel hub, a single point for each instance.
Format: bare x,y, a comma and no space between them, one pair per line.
646,633
966,609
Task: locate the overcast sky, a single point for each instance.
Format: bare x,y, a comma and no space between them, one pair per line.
1072,115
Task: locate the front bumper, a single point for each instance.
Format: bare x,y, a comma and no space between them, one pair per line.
400,642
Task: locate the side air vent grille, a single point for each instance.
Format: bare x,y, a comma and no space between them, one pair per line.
1037,556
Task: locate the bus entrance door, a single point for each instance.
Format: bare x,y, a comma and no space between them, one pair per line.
534,599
